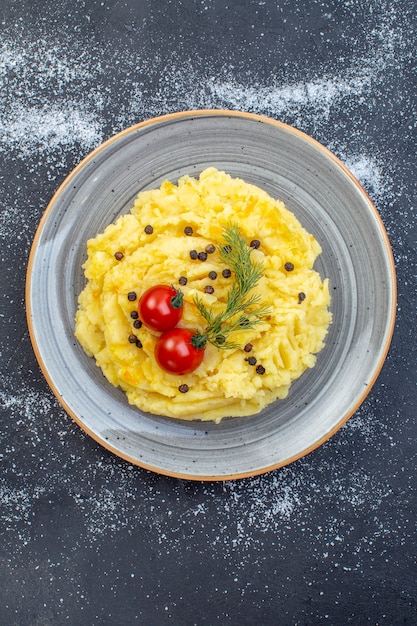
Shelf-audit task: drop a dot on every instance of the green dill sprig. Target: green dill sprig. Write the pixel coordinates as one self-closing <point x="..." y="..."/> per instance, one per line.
<point x="242" y="310"/>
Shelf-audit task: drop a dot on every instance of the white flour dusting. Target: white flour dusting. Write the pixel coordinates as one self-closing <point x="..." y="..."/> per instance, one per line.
<point x="373" y="175"/>
<point x="244" y="510"/>
<point x="30" y="123"/>
<point x="48" y="128"/>
<point x="319" y="95"/>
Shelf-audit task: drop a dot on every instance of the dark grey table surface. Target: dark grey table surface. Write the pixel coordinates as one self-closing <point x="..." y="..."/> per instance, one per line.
<point x="85" y="537"/>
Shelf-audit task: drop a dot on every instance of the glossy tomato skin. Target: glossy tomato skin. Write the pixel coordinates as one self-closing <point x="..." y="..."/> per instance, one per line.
<point x="175" y="353"/>
<point x="160" y="307"/>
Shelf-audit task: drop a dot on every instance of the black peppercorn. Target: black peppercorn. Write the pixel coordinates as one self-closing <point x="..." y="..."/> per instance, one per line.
<point x="193" y="254"/>
<point x="251" y="360"/>
<point x="118" y="256"/>
<point x="212" y="275"/>
<point x="202" y="256"/>
<point x="131" y="296"/>
<point x="289" y="266"/>
<point x="132" y="338"/>
<point x="248" y="347"/>
<point x="208" y="289"/>
<point x="226" y="273"/>
<point x="255" y="243"/>
<point x="301" y="297"/>
<point x="148" y="229"/>
<point x="183" y="388"/>
<point x="134" y="315"/>
<point x="137" y="324"/>
<point x="210" y="248"/>
<point x="188" y="230"/>
<point x="138" y="343"/>
<point x="183" y="280"/>
<point x="260" y="370"/>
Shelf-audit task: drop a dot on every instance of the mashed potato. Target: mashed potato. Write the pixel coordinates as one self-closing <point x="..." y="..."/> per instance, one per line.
<point x="148" y="246"/>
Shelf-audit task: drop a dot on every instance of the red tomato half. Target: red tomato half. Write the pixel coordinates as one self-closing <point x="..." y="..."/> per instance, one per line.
<point x="160" y="307"/>
<point x="175" y="353"/>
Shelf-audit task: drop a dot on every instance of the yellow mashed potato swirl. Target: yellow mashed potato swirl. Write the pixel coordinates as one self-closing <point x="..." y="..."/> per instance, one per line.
<point x="286" y="341"/>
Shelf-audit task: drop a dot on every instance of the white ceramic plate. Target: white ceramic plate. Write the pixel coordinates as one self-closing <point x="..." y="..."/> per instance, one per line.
<point x="329" y="202"/>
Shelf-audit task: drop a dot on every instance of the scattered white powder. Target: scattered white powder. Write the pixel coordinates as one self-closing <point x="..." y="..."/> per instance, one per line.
<point x="49" y="128"/>
<point x="17" y="503"/>
<point x="10" y="215"/>
<point x="291" y="100"/>
<point x="373" y="175"/>
<point x="29" y="122"/>
<point x="107" y="495"/>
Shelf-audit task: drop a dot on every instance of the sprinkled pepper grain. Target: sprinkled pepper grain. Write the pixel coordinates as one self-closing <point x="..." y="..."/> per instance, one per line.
<point x="183" y="280"/>
<point x="210" y="248"/>
<point x="212" y="275"/>
<point x="260" y="370"/>
<point x="301" y="297"/>
<point x="188" y="230"/>
<point x="255" y="243"/>
<point x="118" y="256"/>
<point x="138" y="343"/>
<point x="132" y="338"/>
<point x="251" y="360"/>
<point x="289" y="266"/>
<point x="193" y="254"/>
<point x="248" y="347"/>
<point x="208" y="289"/>
<point x="202" y="256"/>
<point x="148" y="229"/>
<point x="137" y="324"/>
<point x="131" y="296"/>
<point x="226" y="273"/>
<point x="134" y="315"/>
<point x="183" y="388"/>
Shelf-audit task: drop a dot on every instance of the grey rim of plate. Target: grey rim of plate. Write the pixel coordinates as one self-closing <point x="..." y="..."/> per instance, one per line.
<point x="330" y="204"/>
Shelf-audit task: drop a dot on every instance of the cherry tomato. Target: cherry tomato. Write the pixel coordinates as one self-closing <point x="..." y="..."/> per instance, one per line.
<point x="161" y="307"/>
<point x="175" y="353"/>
